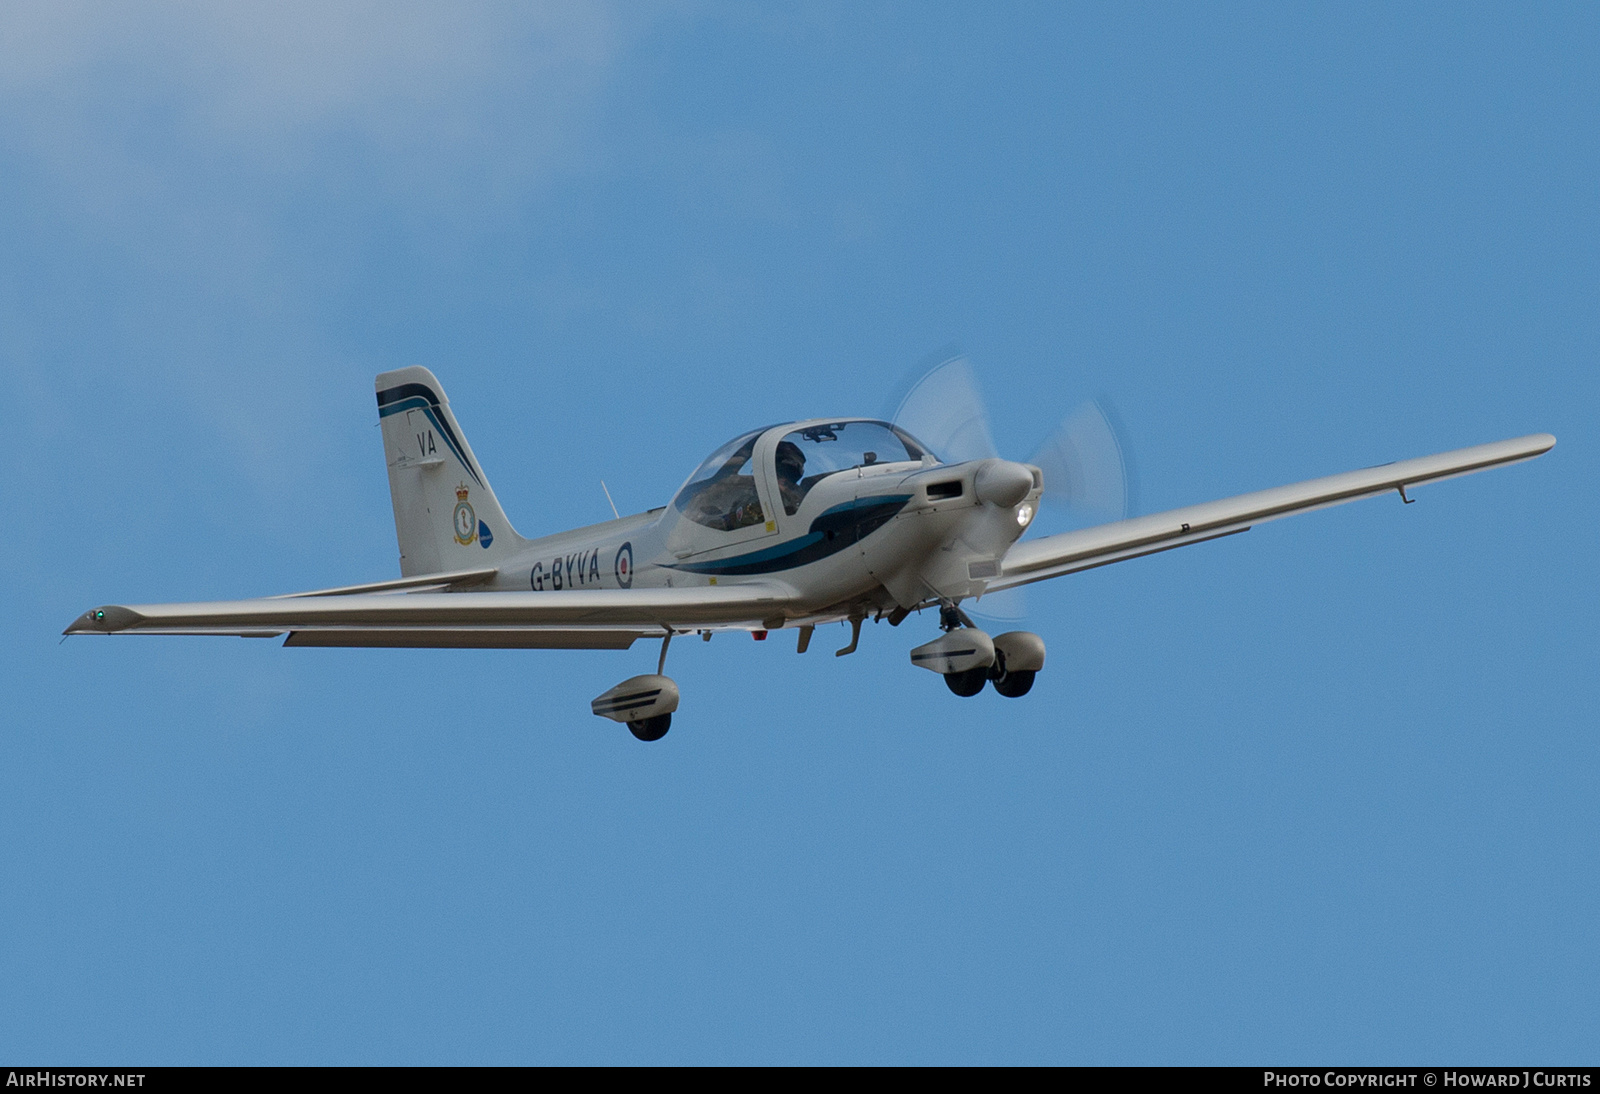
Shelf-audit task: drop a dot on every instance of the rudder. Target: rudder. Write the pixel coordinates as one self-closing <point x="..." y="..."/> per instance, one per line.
<point x="446" y="517"/>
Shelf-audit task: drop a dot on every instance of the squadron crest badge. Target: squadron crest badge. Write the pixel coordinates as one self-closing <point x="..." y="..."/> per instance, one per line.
<point x="466" y="519"/>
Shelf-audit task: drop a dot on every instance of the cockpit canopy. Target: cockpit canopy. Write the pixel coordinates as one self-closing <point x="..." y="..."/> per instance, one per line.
<point x="810" y="454"/>
<point x="723" y="492"/>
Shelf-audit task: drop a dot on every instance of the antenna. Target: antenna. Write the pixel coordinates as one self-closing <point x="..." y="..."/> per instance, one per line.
<point x="608" y="499"/>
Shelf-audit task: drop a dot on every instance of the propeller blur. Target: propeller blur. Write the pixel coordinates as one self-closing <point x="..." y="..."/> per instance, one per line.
<point x="1085" y="464"/>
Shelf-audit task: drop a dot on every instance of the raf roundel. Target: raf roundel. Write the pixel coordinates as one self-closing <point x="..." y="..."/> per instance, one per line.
<point x="624" y="566"/>
<point x="466" y="519"/>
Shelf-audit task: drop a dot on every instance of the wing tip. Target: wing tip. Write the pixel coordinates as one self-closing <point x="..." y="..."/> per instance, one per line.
<point x="106" y="619"/>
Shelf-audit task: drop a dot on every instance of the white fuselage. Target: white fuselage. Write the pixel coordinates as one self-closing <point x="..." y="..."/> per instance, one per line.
<point x="880" y="536"/>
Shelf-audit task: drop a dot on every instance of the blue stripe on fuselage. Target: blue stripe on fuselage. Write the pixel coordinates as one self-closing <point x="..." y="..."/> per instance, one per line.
<point x="831" y="532"/>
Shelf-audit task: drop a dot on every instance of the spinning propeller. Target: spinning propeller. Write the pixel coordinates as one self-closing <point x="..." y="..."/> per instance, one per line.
<point x="1085" y="461"/>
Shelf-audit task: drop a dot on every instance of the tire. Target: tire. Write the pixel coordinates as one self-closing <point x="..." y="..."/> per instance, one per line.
<point x="1014" y="685"/>
<point x="651" y="729"/>
<point x="966" y="684"/>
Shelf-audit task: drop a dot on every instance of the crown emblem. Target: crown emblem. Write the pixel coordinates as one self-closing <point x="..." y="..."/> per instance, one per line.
<point x="461" y="492"/>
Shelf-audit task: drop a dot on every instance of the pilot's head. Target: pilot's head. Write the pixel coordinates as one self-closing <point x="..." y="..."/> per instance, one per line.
<point x="791" y="462"/>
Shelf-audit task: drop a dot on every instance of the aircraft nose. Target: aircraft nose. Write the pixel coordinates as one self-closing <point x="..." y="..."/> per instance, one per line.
<point x="1002" y="483"/>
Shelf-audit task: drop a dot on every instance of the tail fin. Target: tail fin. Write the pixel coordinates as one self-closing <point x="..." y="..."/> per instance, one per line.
<point x="445" y="515"/>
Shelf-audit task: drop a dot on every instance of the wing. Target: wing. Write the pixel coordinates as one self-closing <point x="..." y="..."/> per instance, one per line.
<point x="1051" y="556"/>
<point x="570" y="619"/>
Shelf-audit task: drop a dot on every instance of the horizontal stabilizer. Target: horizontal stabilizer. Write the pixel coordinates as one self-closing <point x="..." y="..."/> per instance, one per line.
<point x="457" y="579"/>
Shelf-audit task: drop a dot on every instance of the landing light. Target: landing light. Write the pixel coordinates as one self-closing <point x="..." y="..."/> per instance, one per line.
<point x="1024" y="514"/>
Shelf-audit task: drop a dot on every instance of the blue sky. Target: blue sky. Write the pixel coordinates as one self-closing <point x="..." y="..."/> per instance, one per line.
<point x="1323" y="792"/>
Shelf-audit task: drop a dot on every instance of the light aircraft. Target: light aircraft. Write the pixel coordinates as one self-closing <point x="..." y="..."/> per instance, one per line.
<point x="787" y="526"/>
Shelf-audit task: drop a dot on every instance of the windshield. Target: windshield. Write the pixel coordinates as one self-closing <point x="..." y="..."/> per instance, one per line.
<point x="807" y="456"/>
<point x="721" y="494"/>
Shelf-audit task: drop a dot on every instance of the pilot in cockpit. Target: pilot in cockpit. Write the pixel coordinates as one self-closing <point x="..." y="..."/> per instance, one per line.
<point x="791" y="466"/>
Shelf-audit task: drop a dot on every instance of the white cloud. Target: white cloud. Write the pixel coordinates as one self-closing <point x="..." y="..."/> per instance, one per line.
<point x="291" y="61"/>
<point x="491" y="90"/>
<point x="170" y="137"/>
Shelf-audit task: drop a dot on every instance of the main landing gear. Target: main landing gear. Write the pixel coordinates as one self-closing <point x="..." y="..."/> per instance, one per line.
<point x="644" y="703"/>
<point x="1014" y="685"/>
<point x="968" y="683"/>
<point x="968" y="658"/>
